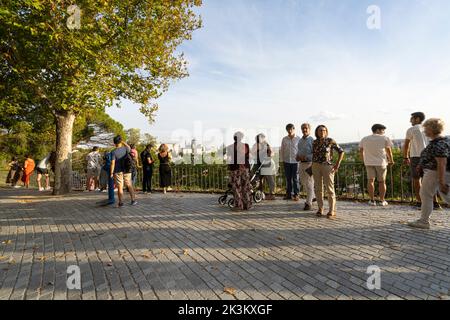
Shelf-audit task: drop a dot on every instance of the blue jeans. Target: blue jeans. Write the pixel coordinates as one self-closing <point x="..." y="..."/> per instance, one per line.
<point x="111" y="198"/>
<point x="290" y="171"/>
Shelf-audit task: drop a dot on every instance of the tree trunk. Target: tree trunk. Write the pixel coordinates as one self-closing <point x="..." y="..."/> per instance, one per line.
<point x="63" y="169"/>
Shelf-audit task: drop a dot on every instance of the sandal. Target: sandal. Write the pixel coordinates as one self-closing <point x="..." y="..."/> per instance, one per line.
<point x="331" y="215"/>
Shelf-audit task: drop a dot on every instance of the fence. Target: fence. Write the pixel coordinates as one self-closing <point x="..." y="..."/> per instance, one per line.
<point x="351" y="180"/>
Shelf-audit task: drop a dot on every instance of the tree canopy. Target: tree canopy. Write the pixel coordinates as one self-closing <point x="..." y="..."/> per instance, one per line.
<point x="63" y="58"/>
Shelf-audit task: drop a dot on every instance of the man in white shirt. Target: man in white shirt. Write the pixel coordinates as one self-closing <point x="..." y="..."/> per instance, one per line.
<point x="376" y="150"/>
<point x="288" y="156"/>
<point x="415" y="143"/>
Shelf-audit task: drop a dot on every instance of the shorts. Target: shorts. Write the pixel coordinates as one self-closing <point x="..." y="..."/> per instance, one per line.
<point x="415" y="161"/>
<point x="93" y="172"/>
<point x="378" y="172"/>
<point x="42" y="171"/>
<point x="121" y="178"/>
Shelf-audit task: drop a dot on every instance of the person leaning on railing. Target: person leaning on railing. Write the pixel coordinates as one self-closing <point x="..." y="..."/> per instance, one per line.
<point x="435" y="166"/>
<point x="324" y="170"/>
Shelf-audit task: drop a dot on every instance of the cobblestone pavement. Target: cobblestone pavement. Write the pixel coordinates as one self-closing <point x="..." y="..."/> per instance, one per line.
<point x="186" y="246"/>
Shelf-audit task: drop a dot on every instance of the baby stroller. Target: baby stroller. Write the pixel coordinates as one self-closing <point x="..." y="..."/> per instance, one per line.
<point x="255" y="182"/>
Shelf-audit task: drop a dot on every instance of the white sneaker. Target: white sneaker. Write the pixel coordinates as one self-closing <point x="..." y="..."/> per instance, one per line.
<point x="384" y="204"/>
<point x="169" y="189"/>
<point x="372" y="203"/>
<point x="419" y="225"/>
<point x="17" y="187"/>
<point x="41" y="189"/>
<point x="48" y="188"/>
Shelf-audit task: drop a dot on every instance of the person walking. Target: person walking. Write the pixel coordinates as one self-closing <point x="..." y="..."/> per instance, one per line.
<point x="304" y="156"/>
<point x="42" y="170"/>
<point x="28" y="168"/>
<point x="147" y="169"/>
<point x="120" y="170"/>
<point x="93" y="168"/>
<point x="288" y="155"/>
<point x="238" y="160"/>
<point x="324" y="170"/>
<point x="435" y="165"/>
<point x="376" y="152"/>
<point x="262" y="152"/>
<point x="165" y="171"/>
<point x="13" y="172"/>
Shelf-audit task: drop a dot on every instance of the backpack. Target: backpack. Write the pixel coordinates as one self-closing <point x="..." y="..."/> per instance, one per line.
<point x="128" y="163"/>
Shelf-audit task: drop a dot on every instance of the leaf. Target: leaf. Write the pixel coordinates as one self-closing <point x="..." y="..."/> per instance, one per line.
<point x="186" y="252"/>
<point x="146" y="255"/>
<point x="262" y="254"/>
<point x="281" y="238"/>
<point x="42" y="259"/>
<point x="229" y="290"/>
<point x="11" y="261"/>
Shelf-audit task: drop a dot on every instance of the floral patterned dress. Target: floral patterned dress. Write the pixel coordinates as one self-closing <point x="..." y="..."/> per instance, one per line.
<point x="240" y="177"/>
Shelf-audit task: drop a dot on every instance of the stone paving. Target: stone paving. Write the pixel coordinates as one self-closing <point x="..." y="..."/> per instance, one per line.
<point x="186" y="246"/>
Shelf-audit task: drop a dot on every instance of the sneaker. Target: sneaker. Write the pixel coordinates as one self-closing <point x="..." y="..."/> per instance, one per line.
<point x="419" y="225"/>
<point x="169" y="189"/>
<point x="17" y="187"/>
<point x="41" y="189"/>
<point x="372" y="203"/>
<point x="48" y="188"/>
<point x="307" y="207"/>
<point x="296" y="198"/>
<point x="384" y="204"/>
<point x="120" y="205"/>
<point x="134" y="203"/>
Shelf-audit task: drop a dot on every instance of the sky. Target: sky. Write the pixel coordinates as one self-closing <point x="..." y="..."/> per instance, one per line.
<point x="257" y="65"/>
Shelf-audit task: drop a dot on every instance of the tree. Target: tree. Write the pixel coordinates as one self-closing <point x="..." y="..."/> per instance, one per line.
<point x="134" y="136"/>
<point x="57" y="58"/>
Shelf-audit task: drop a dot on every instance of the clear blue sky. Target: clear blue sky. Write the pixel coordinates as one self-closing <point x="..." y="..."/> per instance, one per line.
<point x="257" y="65"/>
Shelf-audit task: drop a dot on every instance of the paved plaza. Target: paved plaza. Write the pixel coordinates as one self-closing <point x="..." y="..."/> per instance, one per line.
<point x="186" y="246"/>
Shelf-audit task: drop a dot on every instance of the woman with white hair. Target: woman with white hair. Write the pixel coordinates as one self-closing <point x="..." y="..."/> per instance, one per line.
<point x="238" y="160"/>
<point x="435" y="166"/>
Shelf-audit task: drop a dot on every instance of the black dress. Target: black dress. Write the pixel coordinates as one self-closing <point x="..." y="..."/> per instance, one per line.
<point x="165" y="172"/>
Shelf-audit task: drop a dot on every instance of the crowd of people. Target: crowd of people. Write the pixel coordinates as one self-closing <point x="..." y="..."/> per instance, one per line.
<point x="310" y="162"/>
<point x="426" y="150"/>
<point x="21" y="171"/>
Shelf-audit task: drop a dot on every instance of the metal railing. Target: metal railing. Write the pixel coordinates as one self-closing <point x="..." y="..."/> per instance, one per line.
<point x="350" y="181"/>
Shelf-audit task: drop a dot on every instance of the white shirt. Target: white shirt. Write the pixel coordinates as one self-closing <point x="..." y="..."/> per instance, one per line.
<point x="374" y="148"/>
<point x="93" y="160"/>
<point x="43" y="164"/>
<point x="289" y="149"/>
<point x="418" y="140"/>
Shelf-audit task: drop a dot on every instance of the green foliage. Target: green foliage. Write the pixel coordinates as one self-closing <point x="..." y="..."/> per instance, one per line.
<point x="123" y="50"/>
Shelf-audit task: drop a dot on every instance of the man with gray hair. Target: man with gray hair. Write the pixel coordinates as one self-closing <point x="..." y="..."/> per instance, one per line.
<point x="304" y="156"/>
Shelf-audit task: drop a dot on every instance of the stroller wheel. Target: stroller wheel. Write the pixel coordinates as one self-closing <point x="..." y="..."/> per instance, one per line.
<point x="258" y="196"/>
<point x="223" y="200"/>
<point x="231" y="203"/>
